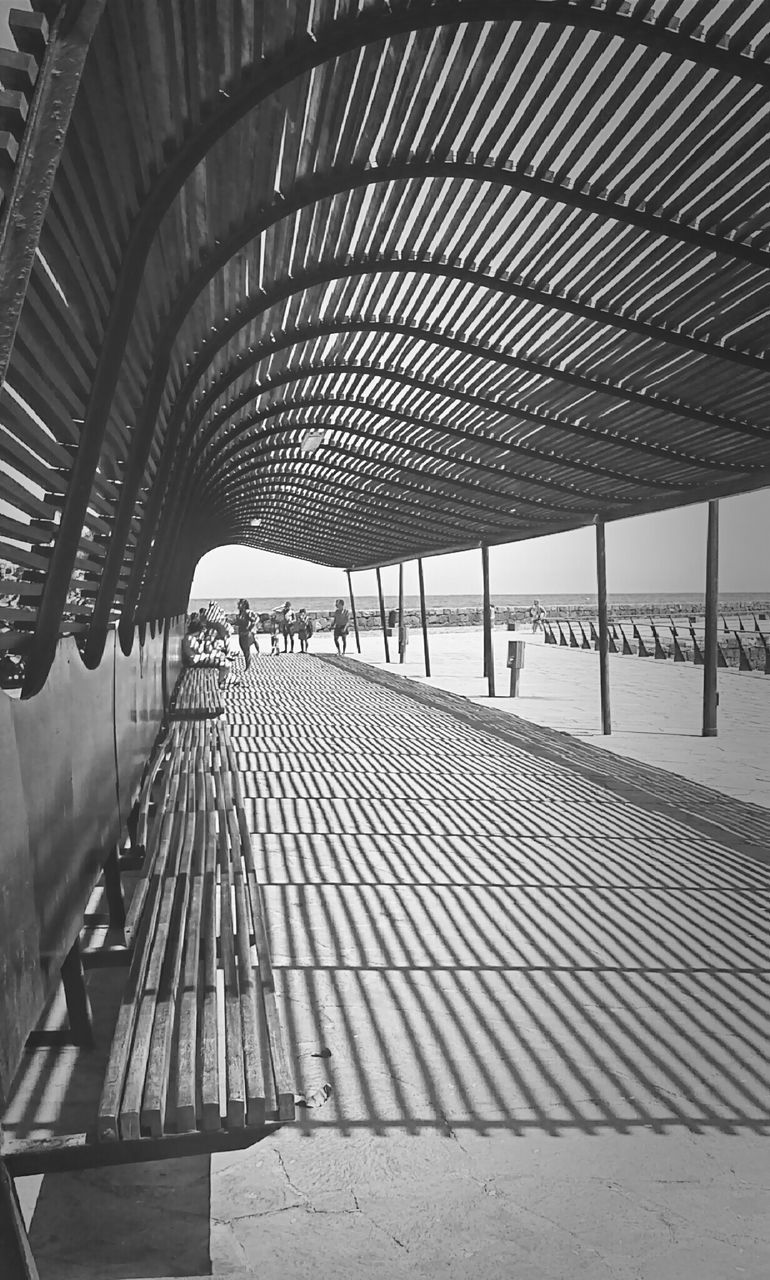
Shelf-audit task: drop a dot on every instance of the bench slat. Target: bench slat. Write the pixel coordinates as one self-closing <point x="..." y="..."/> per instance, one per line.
<point x="159" y="1061"/>
<point x="235" y="1077"/>
<point x="131" y="1104"/>
<point x="198" y="886"/>
<point x="256" y="1083"/>
<point x="282" y="1076"/>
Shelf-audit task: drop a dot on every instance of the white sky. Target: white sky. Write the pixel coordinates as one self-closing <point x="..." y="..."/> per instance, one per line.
<point x="664" y="552"/>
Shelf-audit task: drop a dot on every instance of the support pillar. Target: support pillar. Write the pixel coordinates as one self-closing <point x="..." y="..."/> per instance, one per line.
<point x="489" y="657"/>
<point x="401" y="623"/>
<point x="423" y="618"/>
<point x="353" y="608"/>
<point x="383" y="619"/>
<point x="604" y="631"/>
<point x="710" y="648"/>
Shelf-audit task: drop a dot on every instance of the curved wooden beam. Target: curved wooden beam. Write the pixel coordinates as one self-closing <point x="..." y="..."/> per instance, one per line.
<point x="343" y="36"/>
<point x="584" y="431"/>
<point x="234" y="443"/>
<point x="264" y="300"/>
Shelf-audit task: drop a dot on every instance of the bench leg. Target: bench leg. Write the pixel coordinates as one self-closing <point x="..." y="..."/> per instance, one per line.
<point x="15" y="1251"/>
<point x="78" y="1004"/>
<point x="113" y="890"/>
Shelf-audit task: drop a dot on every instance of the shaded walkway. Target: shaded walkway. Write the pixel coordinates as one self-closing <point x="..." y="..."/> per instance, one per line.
<point x="482" y="933"/>
<point x="544" y="990"/>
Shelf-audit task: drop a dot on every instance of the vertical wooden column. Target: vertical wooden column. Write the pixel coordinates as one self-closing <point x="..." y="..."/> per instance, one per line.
<point x="489" y="657"/>
<point x="710" y="694"/>
<point x="423" y="618"/>
<point x="604" y="634"/>
<point x="383" y="619"/>
<point x="401" y="623"/>
<point x="353" y="607"/>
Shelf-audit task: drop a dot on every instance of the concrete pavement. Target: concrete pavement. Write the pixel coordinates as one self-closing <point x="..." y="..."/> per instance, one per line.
<point x="528" y="1009"/>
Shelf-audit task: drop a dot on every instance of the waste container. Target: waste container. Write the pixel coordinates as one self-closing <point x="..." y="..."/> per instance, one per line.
<point x="515" y="663"/>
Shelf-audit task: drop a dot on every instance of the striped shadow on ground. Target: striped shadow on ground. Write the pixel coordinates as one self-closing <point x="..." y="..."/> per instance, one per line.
<point x="484" y="935"/>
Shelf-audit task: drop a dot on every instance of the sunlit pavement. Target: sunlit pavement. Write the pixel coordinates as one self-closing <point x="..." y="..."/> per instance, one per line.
<point x="529" y="1011"/>
<point x="656" y="705"/>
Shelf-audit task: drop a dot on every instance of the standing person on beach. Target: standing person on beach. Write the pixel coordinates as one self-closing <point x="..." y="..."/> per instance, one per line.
<point x="538" y="615"/>
<point x="341" y="626"/>
<point x="246" y="626"/>
<point x="288" y="626"/>
<point x="305" y="629"/>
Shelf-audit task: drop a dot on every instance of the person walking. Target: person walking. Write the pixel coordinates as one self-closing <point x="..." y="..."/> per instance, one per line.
<point x="246" y="626"/>
<point x="341" y="626"/>
<point x="288" y="626"/>
<point x="538" y="615"/>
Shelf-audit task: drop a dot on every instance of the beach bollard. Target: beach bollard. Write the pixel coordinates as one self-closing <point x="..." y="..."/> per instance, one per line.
<point x="515" y="663"/>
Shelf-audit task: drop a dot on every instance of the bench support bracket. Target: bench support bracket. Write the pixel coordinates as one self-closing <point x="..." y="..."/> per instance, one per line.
<point x="15" y="1251"/>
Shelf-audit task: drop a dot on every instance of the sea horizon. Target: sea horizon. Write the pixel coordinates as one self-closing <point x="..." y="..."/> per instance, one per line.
<point x="470" y="600"/>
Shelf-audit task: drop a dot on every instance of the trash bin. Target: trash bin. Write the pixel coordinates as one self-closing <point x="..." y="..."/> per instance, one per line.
<point x="515" y="663"/>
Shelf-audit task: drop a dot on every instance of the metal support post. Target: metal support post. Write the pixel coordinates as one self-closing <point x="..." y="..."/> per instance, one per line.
<point x="424" y="618"/>
<point x="604" y="631"/>
<point x="401" y="623"/>
<point x="710" y="648"/>
<point x="489" y="657"/>
<point x="353" y="608"/>
<point x="382" y="616"/>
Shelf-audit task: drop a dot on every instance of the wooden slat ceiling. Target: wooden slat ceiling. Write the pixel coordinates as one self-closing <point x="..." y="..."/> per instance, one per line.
<point x="510" y="259"/>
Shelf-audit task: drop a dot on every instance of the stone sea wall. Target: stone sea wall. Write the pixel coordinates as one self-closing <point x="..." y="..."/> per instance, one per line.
<point x="369" y="619"/>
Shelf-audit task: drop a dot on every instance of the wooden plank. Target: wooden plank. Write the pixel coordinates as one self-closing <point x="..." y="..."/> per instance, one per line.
<point x="107" y="1127"/>
<point x="235" y="1082"/>
<point x="159" y="1059"/>
<point x="210" y="1116"/>
<point x="252" y="1050"/>
<point x="282" y="1076"/>
<point x="131" y="1103"/>
<point x="187" y="1054"/>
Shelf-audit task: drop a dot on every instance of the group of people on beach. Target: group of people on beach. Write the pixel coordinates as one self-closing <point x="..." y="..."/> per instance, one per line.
<point x="284" y="622"/>
<point x="206" y="641"/>
<point x="290" y="625"/>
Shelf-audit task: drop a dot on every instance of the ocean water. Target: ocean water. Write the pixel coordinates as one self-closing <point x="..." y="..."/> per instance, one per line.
<point x="364" y="604"/>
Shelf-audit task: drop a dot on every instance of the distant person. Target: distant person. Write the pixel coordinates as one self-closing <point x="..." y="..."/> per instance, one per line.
<point x="288" y="626"/>
<point x="246" y="626"/>
<point x="341" y="626"/>
<point x="273" y="628"/>
<point x="305" y="630"/>
<point x="538" y="615"/>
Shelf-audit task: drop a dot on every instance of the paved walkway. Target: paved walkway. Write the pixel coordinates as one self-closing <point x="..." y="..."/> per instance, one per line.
<point x="528" y="1008"/>
<point x="656" y="706"/>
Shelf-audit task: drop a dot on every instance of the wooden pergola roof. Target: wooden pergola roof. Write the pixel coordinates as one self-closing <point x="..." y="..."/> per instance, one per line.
<point x="510" y="260"/>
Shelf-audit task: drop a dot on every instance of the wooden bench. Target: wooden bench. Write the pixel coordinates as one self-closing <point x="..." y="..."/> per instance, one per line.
<point x="197" y="1061"/>
<point x="197" y="695"/>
